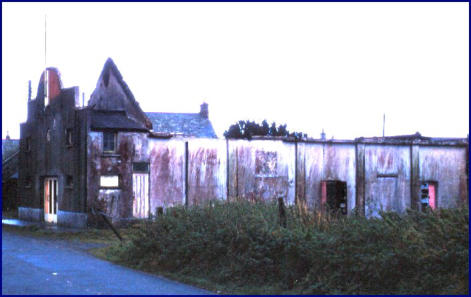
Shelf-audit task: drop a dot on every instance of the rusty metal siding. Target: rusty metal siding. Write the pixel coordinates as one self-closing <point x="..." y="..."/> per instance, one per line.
<point x="167" y="173"/>
<point x="300" y="175"/>
<point x="130" y="147"/>
<point x="329" y="161"/>
<point x="387" y="178"/>
<point x="314" y="162"/>
<point x="262" y="170"/>
<point x="447" y="167"/>
<point x="207" y="168"/>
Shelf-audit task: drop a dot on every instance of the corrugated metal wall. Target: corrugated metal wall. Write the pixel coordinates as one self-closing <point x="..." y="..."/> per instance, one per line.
<point x="194" y="171"/>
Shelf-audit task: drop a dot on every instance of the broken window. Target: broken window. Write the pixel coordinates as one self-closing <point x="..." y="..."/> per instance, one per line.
<point x="68" y="137"/>
<point x="109" y="142"/>
<point x="428" y="195"/>
<point x="109" y="181"/>
<point x="334" y="195"/>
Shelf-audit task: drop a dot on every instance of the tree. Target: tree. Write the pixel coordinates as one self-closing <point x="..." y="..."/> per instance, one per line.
<point x="248" y="129"/>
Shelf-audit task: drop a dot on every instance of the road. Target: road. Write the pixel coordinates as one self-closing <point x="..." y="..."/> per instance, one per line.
<point x="43" y="266"/>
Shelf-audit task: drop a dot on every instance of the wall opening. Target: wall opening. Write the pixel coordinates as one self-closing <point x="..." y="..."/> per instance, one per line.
<point x="334" y="195"/>
<point x="428" y="195"/>
<point x="50" y="199"/>
<point x="109" y="142"/>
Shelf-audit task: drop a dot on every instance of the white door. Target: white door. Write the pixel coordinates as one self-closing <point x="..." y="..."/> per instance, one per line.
<point x="50" y="200"/>
<point x="140" y="187"/>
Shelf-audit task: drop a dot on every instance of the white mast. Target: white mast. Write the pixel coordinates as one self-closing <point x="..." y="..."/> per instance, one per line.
<point x="46" y="76"/>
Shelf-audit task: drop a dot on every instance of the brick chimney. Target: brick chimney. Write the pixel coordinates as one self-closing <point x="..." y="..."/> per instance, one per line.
<point x="204" y="110"/>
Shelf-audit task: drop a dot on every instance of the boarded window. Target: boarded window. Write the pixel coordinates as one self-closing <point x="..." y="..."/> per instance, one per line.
<point x="109" y="142"/>
<point x="334" y="195"/>
<point x="428" y="195"/>
<point x="265" y="163"/>
<point x="142" y="167"/>
<point x="109" y="181"/>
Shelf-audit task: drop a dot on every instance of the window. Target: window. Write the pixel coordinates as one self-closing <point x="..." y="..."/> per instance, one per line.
<point x="68" y="137"/>
<point x="109" y="142"/>
<point x="140" y="167"/>
<point x="334" y="194"/>
<point x="109" y="181"/>
<point x="69" y="181"/>
<point x="48" y="135"/>
<point x="28" y="144"/>
<point x="28" y="182"/>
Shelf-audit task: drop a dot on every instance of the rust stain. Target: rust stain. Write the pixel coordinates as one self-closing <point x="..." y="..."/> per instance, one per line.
<point x="203" y="175"/>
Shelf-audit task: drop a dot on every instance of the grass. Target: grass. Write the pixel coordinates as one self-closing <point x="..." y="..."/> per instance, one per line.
<point x="241" y="248"/>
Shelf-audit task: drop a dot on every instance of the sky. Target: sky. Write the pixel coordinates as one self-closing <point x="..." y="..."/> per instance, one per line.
<point x="332" y="66"/>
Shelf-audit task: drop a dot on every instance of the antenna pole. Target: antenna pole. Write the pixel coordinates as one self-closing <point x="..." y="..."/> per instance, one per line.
<point x="45" y="61"/>
<point x="384" y="120"/>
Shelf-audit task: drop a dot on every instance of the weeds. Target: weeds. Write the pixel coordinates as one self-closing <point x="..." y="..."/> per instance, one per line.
<point x="242" y="245"/>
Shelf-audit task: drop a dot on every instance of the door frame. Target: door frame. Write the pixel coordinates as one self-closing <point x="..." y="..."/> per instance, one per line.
<point x="50" y="198"/>
<point x="147" y="211"/>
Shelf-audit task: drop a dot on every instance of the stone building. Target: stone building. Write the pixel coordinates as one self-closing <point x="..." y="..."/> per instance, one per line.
<point x="112" y="156"/>
<point x="73" y="158"/>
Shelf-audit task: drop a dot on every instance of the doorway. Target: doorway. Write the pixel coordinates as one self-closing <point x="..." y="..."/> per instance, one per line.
<point x="140" y="186"/>
<point x="334" y="195"/>
<point x="50" y="199"/>
<point x="428" y="195"/>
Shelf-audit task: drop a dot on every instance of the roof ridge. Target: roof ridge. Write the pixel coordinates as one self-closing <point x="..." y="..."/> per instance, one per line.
<point x="111" y="66"/>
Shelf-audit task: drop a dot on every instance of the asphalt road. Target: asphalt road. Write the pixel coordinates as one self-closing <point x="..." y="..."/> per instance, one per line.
<point x="41" y="266"/>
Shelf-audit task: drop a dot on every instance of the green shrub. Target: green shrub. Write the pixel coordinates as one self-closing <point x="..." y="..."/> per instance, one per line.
<point x="243" y="243"/>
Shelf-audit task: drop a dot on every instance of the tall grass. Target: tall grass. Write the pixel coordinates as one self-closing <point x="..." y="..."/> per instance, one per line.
<point x="243" y="244"/>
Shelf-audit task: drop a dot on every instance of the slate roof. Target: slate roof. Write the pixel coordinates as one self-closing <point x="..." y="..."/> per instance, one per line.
<point x="188" y="124"/>
<point x="114" y="120"/>
<point x="9" y="147"/>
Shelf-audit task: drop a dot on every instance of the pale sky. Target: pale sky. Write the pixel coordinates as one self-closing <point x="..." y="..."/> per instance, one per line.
<point x="313" y="66"/>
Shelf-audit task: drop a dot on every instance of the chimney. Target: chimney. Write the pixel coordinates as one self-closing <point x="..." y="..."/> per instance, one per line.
<point x="323" y="135"/>
<point x="204" y="110"/>
<point x="8" y="136"/>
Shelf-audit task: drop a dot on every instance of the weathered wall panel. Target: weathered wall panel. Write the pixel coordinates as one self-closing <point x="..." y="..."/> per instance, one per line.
<point x="207" y="169"/>
<point x="447" y="167"/>
<point x="300" y="195"/>
<point x="263" y="170"/>
<point x="387" y="178"/>
<point x="167" y="173"/>
<point x="329" y="162"/>
<point x="130" y="147"/>
<point x="314" y="163"/>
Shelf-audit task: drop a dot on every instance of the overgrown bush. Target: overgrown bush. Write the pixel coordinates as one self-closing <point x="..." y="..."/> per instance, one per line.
<point x="243" y="243"/>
